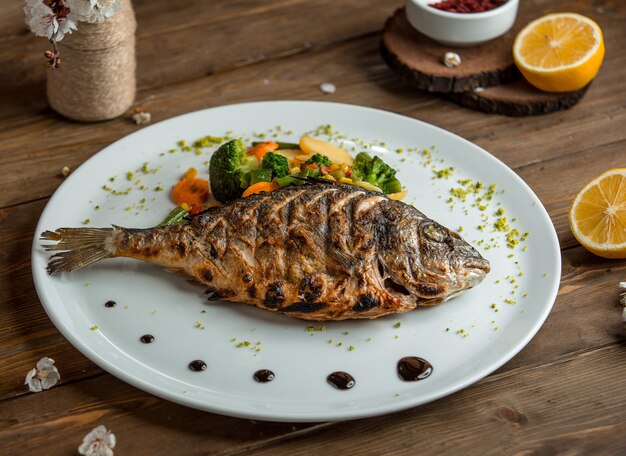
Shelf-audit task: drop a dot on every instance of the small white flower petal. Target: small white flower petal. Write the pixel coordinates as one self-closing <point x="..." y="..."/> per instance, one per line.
<point x="328" y="87"/>
<point x="45" y="363"/>
<point x="43" y="377"/>
<point x="104" y="9"/>
<point x="111" y="440"/>
<point x="451" y="59"/>
<point x="41" y="20"/>
<point x="31" y="3"/>
<point x="84" y="447"/>
<point x="31" y="374"/>
<point x="66" y="27"/>
<point x="80" y="10"/>
<point x="50" y="380"/>
<point x="34" y="384"/>
<point x="142" y="117"/>
<point x="98" y="442"/>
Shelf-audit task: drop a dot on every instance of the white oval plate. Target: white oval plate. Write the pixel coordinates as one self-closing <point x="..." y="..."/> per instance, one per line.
<point x="465" y="339"/>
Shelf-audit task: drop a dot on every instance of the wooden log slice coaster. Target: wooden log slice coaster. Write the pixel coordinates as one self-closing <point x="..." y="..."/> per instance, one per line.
<point x="487" y="79"/>
<point x="418" y="60"/>
<point x="517" y="99"/>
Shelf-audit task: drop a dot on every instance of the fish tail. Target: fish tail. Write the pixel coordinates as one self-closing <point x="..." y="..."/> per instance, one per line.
<point x="77" y="247"/>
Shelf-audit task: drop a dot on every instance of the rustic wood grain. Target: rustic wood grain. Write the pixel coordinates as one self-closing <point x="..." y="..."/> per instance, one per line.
<point x="418" y="60"/>
<point x="361" y="78"/>
<point x="194" y="39"/>
<point x="521" y="412"/>
<point x="563" y="394"/>
<point x="168" y="53"/>
<point x="58" y="419"/>
<point x="556" y="181"/>
<point x="517" y="99"/>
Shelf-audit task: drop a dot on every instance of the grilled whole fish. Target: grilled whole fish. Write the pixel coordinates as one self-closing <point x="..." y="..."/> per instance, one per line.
<point x="314" y="252"/>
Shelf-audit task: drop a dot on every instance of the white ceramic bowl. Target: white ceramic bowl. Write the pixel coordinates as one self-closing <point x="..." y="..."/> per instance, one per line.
<point x="460" y="29"/>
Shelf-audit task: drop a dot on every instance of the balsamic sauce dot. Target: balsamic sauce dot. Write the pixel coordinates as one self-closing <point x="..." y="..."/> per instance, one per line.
<point x="341" y="380"/>
<point x="197" y="365"/>
<point x="110" y="304"/>
<point x="264" y="376"/>
<point x="412" y="368"/>
<point x="147" y="338"/>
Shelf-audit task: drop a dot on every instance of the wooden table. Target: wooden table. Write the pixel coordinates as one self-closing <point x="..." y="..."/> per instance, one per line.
<point x="565" y="393"/>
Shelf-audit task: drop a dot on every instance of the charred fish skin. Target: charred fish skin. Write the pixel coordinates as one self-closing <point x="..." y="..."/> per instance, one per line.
<point x="314" y="252"/>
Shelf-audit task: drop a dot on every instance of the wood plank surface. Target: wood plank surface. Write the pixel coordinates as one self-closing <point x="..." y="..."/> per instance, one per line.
<point x="516" y="144"/>
<point x="563" y="394"/>
<point x="73" y="410"/>
<point x="198" y="38"/>
<point x="522" y="412"/>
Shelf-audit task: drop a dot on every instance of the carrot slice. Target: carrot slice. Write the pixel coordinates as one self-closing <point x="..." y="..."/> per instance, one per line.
<point x="190" y="173"/>
<point x="191" y="190"/>
<point x="260" y="150"/>
<point x="195" y="209"/>
<point x="260" y="187"/>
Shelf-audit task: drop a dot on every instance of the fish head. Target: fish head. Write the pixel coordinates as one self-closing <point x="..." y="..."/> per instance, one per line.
<point x="430" y="263"/>
<point x="445" y="252"/>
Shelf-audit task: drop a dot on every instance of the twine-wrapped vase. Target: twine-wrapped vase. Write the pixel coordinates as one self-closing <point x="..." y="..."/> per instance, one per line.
<point x="96" y="80"/>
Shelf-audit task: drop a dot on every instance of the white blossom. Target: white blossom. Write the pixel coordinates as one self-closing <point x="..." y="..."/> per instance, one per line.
<point x="141" y="117"/>
<point x="451" y="59"/>
<point x="42" y="377"/>
<point x="99" y="442"/>
<point x="43" y="21"/>
<point x="93" y="10"/>
<point x="80" y="10"/>
<point x="328" y="87"/>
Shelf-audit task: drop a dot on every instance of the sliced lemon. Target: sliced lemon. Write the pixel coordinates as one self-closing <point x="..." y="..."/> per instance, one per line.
<point x="598" y="215"/>
<point x="559" y="52"/>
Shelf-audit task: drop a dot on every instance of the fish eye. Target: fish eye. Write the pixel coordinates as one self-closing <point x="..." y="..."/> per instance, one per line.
<point x="434" y="232"/>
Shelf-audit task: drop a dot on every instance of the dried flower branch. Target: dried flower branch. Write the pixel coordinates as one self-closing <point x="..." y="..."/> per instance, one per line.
<point x="54" y="19"/>
<point x="53" y="56"/>
<point x="49" y="18"/>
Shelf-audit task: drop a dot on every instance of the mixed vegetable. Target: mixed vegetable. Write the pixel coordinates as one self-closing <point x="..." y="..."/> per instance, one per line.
<point x="236" y="171"/>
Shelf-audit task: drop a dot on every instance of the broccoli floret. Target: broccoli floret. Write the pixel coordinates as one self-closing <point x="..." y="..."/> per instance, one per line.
<point x="260" y="175"/>
<point x="376" y="172"/>
<point x="276" y="163"/>
<point x="229" y="170"/>
<point x="319" y="160"/>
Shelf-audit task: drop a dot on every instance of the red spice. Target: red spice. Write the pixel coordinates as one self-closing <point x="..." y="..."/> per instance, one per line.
<point x="467" y="6"/>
